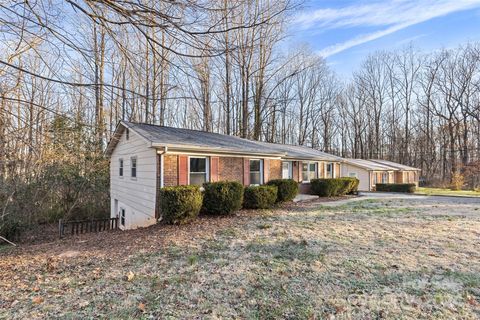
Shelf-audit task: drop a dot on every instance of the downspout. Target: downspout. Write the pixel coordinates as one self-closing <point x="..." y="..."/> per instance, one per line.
<point x="162" y="165"/>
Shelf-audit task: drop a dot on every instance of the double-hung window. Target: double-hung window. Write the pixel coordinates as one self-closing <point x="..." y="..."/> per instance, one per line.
<point x="287" y="170"/>
<point x="329" y="170"/>
<point x="120" y="167"/>
<point x="198" y="170"/>
<point x="256" y="171"/>
<point x="133" y="167"/>
<point x="385" y="177"/>
<point x="309" y="171"/>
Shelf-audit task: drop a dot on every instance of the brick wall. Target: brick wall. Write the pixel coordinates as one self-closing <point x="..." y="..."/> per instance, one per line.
<point x="170" y="167"/>
<point x="231" y="169"/>
<point x="337" y="170"/>
<point x="321" y="169"/>
<point x="275" y="169"/>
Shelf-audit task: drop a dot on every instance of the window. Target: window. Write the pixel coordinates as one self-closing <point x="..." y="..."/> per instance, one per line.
<point x="384" y="177"/>
<point x="122" y="217"/>
<point x="256" y="172"/>
<point x="134" y="167"/>
<point x="120" y="167"/>
<point x="286" y="170"/>
<point x="127" y="134"/>
<point x="198" y="171"/>
<point x="329" y="170"/>
<point x="312" y="170"/>
<point x="352" y="175"/>
<point x="309" y="171"/>
<point x="374" y="177"/>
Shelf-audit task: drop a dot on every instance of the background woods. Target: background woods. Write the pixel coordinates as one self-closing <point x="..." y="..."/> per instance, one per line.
<point x="69" y="70"/>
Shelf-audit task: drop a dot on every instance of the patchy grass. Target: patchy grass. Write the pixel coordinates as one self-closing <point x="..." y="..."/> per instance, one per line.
<point x="447" y="192"/>
<point x="414" y="258"/>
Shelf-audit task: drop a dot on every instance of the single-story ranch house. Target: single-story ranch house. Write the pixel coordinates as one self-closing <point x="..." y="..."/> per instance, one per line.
<point x="145" y="158"/>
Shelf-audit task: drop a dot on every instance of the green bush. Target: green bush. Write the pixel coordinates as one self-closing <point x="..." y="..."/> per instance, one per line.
<point x="260" y="197"/>
<point x="396" y="187"/>
<point x="354" y="186"/>
<point x="287" y="189"/>
<point x="224" y="197"/>
<point x="180" y="204"/>
<point x="334" y="187"/>
<point x="348" y="186"/>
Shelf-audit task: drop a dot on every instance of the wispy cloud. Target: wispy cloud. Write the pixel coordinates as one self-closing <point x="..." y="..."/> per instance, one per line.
<point x="389" y="16"/>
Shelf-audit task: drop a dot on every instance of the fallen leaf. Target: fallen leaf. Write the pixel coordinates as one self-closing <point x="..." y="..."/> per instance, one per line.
<point x="141" y="307"/>
<point x="37" y="300"/>
<point x="130" y="276"/>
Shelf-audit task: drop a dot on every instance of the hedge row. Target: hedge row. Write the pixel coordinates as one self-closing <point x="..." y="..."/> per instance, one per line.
<point x="182" y="204"/>
<point x="396" y="187"/>
<point x="334" y="187"/>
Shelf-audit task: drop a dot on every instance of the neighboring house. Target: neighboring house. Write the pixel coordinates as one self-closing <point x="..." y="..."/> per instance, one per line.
<point x="369" y="173"/>
<point x="145" y="158"/>
<point x="404" y="174"/>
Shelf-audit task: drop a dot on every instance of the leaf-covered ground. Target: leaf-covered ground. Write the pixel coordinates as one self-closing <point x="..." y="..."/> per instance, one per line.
<point x="386" y="258"/>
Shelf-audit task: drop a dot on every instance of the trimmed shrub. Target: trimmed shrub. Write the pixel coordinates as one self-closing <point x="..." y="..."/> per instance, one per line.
<point x="260" y="197"/>
<point x="180" y="204"/>
<point x="224" y="197"/>
<point x="326" y="187"/>
<point x="354" y="186"/>
<point x="396" y="187"/>
<point x="287" y="189"/>
<point x="349" y="185"/>
<point x="334" y="187"/>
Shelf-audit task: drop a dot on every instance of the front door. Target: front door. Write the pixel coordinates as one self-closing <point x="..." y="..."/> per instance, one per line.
<point x="287" y="172"/>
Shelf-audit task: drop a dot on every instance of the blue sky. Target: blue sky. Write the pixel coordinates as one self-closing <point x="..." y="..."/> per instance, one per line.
<point x="346" y="31"/>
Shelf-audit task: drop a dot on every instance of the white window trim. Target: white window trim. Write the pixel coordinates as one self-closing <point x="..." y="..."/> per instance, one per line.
<point x="207" y="167"/>
<point x="332" y="175"/>
<point x="124" y="211"/>
<point x="308" y="170"/>
<point x="385" y="177"/>
<point x="261" y="171"/>
<point x="121" y="164"/>
<point x="136" y="167"/>
<point x="290" y="169"/>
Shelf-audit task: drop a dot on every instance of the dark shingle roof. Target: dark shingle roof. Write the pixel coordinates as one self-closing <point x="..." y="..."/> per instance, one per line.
<point x="195" y="139"/>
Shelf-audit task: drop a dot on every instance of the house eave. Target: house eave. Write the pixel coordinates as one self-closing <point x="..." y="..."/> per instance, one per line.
<point x="198" y="150"/>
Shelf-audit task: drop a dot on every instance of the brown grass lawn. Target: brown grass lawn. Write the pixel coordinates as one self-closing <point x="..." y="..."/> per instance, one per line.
<point x="414" y="258"/>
